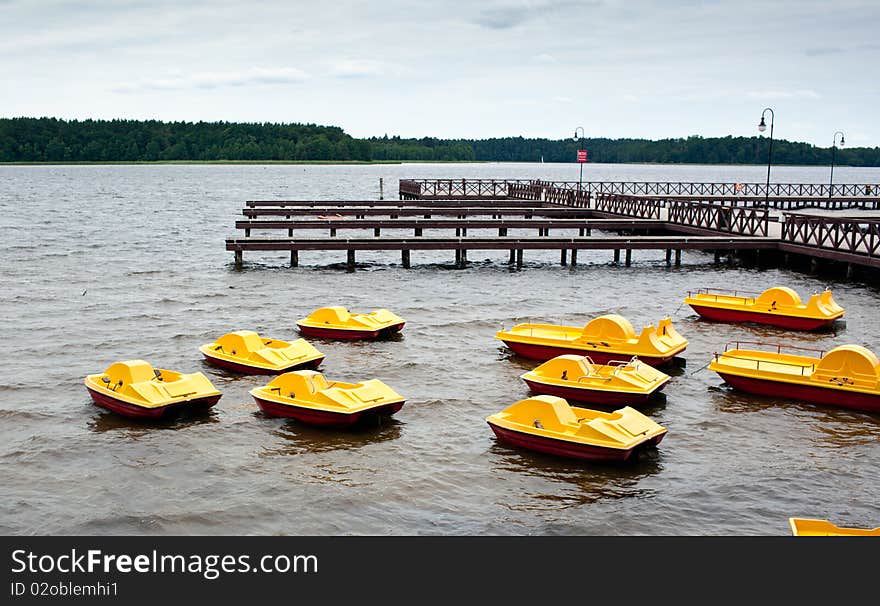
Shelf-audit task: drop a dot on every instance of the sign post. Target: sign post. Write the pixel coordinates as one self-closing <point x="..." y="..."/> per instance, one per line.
<point x="582" y="157"/>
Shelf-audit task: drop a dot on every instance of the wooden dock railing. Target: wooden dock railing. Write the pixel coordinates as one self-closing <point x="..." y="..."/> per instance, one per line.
<point x="852" y="235"/>
<point x="725" y="219"/>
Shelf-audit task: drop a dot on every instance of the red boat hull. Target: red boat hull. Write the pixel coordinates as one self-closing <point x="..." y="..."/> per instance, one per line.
<point x="323" y="418"/>
<point x="563" y="448"/>
<point x="733" y="315"/>
<point x="805" y="393"/>
<point x="253" y="370"/>
<point x="591" y="396"/>
<point x="336" y="333"/>
<point x="139" y="412"/>
<point x="547" y="352"/>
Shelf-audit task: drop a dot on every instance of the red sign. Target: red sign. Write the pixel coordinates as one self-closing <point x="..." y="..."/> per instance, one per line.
<point x="582" y="155"/>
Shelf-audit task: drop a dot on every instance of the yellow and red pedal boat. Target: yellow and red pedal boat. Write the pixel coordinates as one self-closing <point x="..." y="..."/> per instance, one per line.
<point x="338" y="323"/>
<point x="247" y="352"/>
<point x="806" y="527"/>
<point x="606" y="338"/>
<point x="550" y="425"/>
<point x="305" y="395"/>
<point x="135" y="389"/>
<point x="848" y="376"/>
<point x="777" y="306"/>
<point x="578" y="379"/>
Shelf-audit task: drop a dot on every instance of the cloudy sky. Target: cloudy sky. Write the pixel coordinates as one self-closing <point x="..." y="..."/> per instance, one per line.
<point x="454" y="68"/>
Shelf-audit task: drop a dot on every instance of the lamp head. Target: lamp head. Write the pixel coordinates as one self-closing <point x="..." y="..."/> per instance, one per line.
<point x="842" y="141"/>
<point x="762" y="127"/>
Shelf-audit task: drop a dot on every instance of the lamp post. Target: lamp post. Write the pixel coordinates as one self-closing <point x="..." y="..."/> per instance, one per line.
<point x="761" y="128"/>
<point x="833" y="149"/>
<point x="581" y="178"/>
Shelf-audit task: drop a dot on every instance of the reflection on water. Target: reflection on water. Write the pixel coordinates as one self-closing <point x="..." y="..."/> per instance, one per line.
<point x="105" y="420"/>
<point x="588" y="482"/>
<point x="298" y="438"/>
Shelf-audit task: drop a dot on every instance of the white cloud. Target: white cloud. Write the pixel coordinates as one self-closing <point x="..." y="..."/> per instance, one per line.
<point x="174" y="80"/>
<point x="357" y="68"/>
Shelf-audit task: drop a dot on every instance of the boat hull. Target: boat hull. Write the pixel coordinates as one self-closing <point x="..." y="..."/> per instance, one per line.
<point x="735" y="315"/>
<point x="547" y="352"/>
<point x="591" y="396"/>
<point x="255" y="370"/>
<point x="564" y="448"/>
<point x="351" y="335"/>
<point x="806" y="393"/>
<point x="140" y="412"/>
<point x="324" y="418"/>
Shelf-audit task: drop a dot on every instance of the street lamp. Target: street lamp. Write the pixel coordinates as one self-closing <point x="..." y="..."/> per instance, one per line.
<point x="833" y="148"/>
<point x="581" y="178"/>
<point x="761" y="128"/>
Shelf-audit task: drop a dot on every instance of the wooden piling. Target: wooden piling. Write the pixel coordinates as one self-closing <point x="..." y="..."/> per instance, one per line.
<point x="404" y="258"/>
<point x="239" y="259"/>
<point x="628" y="260"/>
<point x="668" y="257"/>
<point x="562" y="257"/>
<point x="617" y="255"/>
<point x="376" y="232"/>
<point x="294" y="258"/>
<point x="512" y="258"/>
<point x="519" y="258"/>
<point x="574" y="257"/>
<point x="678" y="257"/>
<point x="350" y="264"/>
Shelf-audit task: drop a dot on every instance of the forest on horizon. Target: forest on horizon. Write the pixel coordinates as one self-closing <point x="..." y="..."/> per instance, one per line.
<point x="56" y="140"/>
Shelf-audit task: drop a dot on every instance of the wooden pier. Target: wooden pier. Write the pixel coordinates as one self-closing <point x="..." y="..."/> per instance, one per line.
<point x="668" y="217"/>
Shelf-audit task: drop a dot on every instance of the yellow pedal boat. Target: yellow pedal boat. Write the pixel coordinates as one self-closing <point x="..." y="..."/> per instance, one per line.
<point x="777" y="306"/>
<point x="247" y="352"/>
<point x="606" y="338"/>
<point x="338" y="323"/>
<point x="135" y="389"/>
<point x="847" y="376"/>
<point x="805" y="527"/>
<point x="550" y="425"/>
<point x="306" y="395"/>
<point x="577" y="378"/>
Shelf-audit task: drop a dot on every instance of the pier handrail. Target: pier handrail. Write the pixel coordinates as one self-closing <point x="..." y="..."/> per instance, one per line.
<point x="856" y="235"/>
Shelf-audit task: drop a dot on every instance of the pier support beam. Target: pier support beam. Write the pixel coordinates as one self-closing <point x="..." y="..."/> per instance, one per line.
<point x="519" y="258"/>
<point x="294" y="258"/>
<point x="404" y="258"/>
<point x="617" y="255"/>
<point x="717" y="257"/>
<point x="239" y="259"/>
<point x="332" y="232"/>
<point x="629" y="256"/>
<point x="350" y="263"/>
<point x="668" y="257"/>
<point x="376" y="232"/>
<point x="850" y="271"/>
<point x="814" y="264"/>
<point x="678" y="257"/>
<point x="502" y="231"/>
<point x="562" y="257"/>
<point x="512" y="258"/>
<point x="418" y="231"/>
<point x="574" y="257"/>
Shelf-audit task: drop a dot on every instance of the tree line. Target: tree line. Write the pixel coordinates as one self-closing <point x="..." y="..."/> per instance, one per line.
<point x="54" y="140"/>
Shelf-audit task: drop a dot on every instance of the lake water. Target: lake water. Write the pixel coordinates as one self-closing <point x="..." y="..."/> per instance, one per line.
<point x="106" y="263"/>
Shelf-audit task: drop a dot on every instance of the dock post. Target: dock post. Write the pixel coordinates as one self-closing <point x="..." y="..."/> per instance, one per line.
<point x="519" y="258"/>
<point x="617" y="255"/>
<point x="239" y="261"/>
<point x="581" y="232"/>
<point x="512" y="258"/>
<point x="786" y="259"/>
<point x="294" y="258"/>
<point x="502" y="231"/>
<point x="418" y="231"/>
<point x="463" y="258"/>
<point x="464" y="231"/>
<point x="678" y="257"/>
<point x="814" y="264"/>
<point x="562" y="257"/>
<point x="376" y="232"/>
<point x="850" y="271"/>
<point x="717" y="256"/>
<point x="730" y="258"/>
<point x="457" y="232"/>
<point x="332" y="232"/>
<point x="350" y="265"/>
<point x="629" y="254"/>
<point x="381" y="189"/>
<point x="404" y="258"/>
<point x="574" y="257"/>
<point x="247" y="232"/>
<point x="668" y="257"/>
